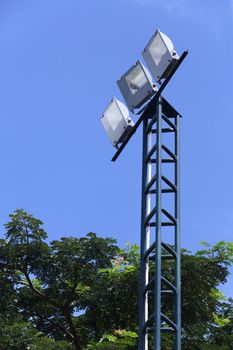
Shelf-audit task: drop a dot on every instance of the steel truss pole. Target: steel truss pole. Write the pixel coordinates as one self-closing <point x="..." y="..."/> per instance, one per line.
<point x="157" y="112"/>
<point x="154" y="287"/>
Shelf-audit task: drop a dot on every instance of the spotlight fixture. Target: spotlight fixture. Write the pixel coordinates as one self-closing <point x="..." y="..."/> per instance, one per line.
<point x="136" y="86"/>
<point x="116" y="121"/>
<point x="160" y="56"/>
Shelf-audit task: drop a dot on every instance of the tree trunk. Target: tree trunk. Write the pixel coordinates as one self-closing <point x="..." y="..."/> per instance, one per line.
<point x="76" y="339"/>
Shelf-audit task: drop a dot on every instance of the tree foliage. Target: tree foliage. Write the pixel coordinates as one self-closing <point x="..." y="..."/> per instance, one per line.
<point x="82" y="293"/>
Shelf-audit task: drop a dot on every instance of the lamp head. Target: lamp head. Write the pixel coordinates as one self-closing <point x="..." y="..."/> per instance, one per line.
<point x="136" y="86"/>
<point x="116" y="121"/>
<point x="159" y="55"/>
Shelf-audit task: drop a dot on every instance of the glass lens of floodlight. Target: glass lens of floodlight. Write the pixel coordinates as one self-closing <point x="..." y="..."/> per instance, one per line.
<point x="157" y="49"/>
<point x="136" y="79"/>
<point x="113" y="115"/>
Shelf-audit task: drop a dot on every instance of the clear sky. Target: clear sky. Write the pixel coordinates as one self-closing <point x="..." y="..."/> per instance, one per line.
<point x="59" y="62"/>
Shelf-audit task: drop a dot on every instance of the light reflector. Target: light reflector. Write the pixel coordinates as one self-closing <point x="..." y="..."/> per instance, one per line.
<point x="116" y="121"/>
<point x="136" y="86"/>
<point x="160" y="55"/>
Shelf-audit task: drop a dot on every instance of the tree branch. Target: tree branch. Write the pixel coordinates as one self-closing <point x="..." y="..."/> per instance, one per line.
<point x="38" y="292"/>
<point x="20" y="282"/>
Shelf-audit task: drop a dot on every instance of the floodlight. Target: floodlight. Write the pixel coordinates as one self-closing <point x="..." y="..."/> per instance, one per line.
<point x="116" y="121"/>
<point x="160" y="55"/>
<point x="136" y="86"/>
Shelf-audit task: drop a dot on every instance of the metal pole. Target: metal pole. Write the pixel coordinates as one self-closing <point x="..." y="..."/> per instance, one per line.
<point x="166" y="112"/>
<point x="157" y="312"/>
<point x="177" y="235"/>
<point x="152" y="218"/>
<point x="144" y="273"/>
<point x="147" y="229"/>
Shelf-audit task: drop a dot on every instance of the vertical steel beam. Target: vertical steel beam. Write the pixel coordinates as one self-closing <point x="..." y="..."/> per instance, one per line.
<point x="147" y="228"/>
<point x="177" y="235"/>
<point x="157" y="308"/>
<point x="143" y="298"/>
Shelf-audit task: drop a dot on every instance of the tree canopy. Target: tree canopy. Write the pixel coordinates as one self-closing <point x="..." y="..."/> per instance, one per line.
<point x="82" y="293"/>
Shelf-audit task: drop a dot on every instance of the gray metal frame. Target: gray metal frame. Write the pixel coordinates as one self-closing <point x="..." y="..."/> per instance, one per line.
<point x="154" y="287"/>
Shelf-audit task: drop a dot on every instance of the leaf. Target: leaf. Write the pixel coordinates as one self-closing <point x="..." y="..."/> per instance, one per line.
<point x="220" y="320"/>
<point x="109" y="337"/>
<point x="217" y="295"/>
<point x="205" y="244"/>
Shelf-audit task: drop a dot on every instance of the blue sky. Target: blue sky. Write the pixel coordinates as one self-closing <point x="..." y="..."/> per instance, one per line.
<point x="59" y="62"/>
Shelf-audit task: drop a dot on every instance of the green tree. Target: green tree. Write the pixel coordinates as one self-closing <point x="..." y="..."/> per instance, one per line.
<point x="83" y="292"/>
<point x="51" y="280"/>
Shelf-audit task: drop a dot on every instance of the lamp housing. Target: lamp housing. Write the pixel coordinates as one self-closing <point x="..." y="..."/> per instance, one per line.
<point x="136" y="86"/>
<point x="116" y="121"/>
<point x="159" y="55"/>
